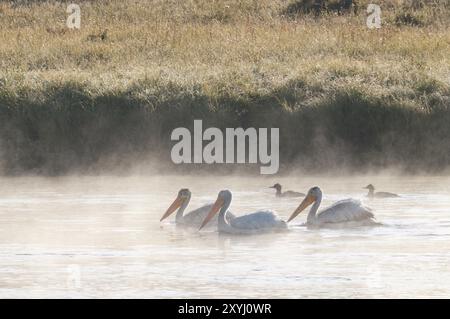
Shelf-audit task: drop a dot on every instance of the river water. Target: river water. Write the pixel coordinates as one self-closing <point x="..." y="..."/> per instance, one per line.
<point x="101" y="237"/>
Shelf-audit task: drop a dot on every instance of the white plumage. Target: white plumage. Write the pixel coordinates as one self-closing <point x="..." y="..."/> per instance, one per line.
<point x="347" y="212"/>
<point x="193" y="218"/>
<point x="257" y="222"/>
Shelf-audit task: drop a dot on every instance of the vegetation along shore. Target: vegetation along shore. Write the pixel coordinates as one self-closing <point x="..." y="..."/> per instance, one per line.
<point x="108" y="95"/>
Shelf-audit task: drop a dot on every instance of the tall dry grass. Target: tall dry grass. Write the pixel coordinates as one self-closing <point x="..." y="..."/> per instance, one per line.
<point x="341" y="93"/>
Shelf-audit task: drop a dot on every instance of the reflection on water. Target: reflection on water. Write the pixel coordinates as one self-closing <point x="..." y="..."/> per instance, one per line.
<point x="101" y="237"/>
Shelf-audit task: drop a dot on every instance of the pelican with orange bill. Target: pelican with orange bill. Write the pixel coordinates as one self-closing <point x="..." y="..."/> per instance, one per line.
<point x="257" y="222"/>
<point x="193" y="218"/>
<point x="347" y="212"/>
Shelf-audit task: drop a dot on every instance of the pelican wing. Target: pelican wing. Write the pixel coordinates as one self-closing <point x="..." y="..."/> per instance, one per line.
<point x="258" y="220"/>
<point x="347" y="210"/>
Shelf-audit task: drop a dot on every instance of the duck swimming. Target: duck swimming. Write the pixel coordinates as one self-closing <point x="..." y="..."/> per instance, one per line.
<point x="373" y="194"/>
<point x="279" y="193"/>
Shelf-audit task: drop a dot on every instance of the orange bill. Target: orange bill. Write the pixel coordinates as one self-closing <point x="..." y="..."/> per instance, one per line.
<point x="176" y="203"/>
<point x="217" y="205"/>
<point x="309" y="199"/>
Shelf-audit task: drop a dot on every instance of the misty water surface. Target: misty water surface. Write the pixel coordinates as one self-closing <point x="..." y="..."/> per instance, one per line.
<point x="101" y="237"/>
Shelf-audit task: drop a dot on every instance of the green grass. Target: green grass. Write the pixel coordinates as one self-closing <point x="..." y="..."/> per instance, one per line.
<point x="342" y="95"/>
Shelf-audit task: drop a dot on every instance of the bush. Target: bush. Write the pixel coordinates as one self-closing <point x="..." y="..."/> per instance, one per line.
<point x="409" y="19"/>
<point x="318" y="7"/>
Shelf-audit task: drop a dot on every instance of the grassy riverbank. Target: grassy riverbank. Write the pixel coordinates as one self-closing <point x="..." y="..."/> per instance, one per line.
<point x="342" y="95"/>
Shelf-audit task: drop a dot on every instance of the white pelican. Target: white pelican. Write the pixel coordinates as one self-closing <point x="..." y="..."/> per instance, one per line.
<point x="260" y="221"/>
<point x="347" y="212"/>
<point x="372" y="193"/>
<point x="286" y="193"/>
<point x="193" y="218"/>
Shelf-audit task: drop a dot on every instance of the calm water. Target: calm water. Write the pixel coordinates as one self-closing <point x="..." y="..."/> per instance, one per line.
<point x="101" y="237"/>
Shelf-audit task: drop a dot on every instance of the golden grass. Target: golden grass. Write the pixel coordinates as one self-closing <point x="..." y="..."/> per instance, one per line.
<point x="246" y="46"/>
<point x="235" y="55"/>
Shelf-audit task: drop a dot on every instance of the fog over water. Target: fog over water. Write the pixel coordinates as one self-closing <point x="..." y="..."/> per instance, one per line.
<point x="101" y="237"/>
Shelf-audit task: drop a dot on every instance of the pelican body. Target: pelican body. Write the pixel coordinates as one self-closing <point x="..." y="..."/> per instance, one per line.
<point x="287" y="193"/>
<point x="193" y="218"/>
<point x="373" y="194"/>
<point x="257" y="222"/>
<point x="348" y="212"/>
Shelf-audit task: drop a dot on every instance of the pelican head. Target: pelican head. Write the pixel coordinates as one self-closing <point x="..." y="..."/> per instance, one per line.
<point x="223" y="198"/>
<point x="370" y="187"/>
<point x="183" y="195"/>
<point x="277" y="187"/>
<point x="312" y="196"/>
